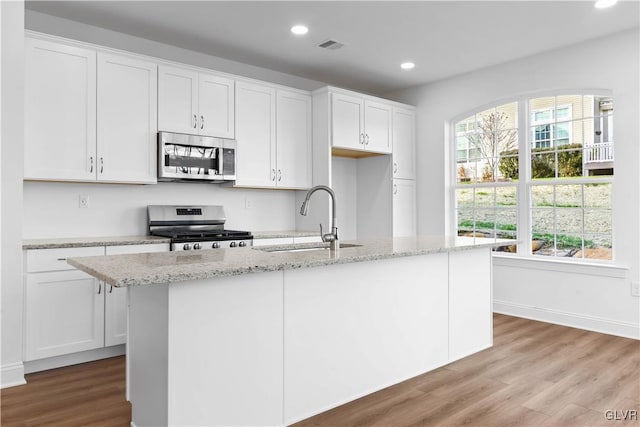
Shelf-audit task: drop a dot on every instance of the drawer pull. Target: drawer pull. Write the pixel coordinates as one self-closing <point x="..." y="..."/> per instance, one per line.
<point x="99" y="288"/>
<point x="62" y="259"/>
<point x="110" y="289"/>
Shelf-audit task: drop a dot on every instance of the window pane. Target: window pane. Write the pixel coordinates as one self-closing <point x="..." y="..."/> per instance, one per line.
<point x="597" y="221"/>
<point x="543" y="106"/>
<point x="589" y="106"/>
<point x="568" y="196"/>
<point x="485" y="221"/>
<point x="569" y="163"/>
<point x="485" y="197"/>
<point x="570" y="106"/>
<point x="568" y="245"/>
<point x="508" y="168"/>
<point x="542" y="196"/>
<point x="509" y="114"/>
<point x="597" y="195"/>
<point x="569" y="221"/>
<point x="464" y="221"/>
<point x="506" y="223"/>
<point x="542" y="221"/>
<point x="464" y="198"/>
<point x="506" y="196"/>
<point x="598" y="246"/>
<point x="543" y="165"/>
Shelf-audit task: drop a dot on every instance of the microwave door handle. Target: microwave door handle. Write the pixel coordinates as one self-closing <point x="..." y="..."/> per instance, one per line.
<point x="220" y="160"/>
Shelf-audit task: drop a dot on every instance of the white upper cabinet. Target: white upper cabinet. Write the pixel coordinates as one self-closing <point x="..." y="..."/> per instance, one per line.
<point x="273" y="131"/>
<point x="195" y="103"/>
<point x="127" y="119"/>
<point x="360" y="124"/>
<point x="60" y="112"/>
<point x="255" y="135"/>
<point x="347" y="118"/>
<point x="177" y="100"/>
<point x="216" y="106"/>
<point x="377" y="127"/>
<point x="404" y="208"/>
<point x="293" y="136"/>
<point x="404" y="143"/>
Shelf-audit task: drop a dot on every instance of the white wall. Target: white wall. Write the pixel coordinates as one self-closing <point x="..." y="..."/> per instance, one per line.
<point x="12" y="136"/>
<point x="51" y="209"/>
<point x="610" y="63"/>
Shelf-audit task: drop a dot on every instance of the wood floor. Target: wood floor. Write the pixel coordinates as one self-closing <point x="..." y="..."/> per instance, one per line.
<point x="536" y="374"/>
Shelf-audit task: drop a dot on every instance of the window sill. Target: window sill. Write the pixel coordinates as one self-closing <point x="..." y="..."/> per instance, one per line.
<point x="562" y="266"/>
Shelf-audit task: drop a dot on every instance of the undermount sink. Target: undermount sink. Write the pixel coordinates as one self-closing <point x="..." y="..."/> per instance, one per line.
<point x="304" y="248"/>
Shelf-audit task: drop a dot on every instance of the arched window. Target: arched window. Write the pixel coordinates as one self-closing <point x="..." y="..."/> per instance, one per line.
<point x="539" y="170"/>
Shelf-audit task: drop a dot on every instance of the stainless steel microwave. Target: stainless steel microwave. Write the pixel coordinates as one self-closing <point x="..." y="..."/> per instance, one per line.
<point x="183" y="157"/>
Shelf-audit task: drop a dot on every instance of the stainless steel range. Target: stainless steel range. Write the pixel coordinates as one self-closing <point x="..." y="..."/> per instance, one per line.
<point x="195" y="227"/>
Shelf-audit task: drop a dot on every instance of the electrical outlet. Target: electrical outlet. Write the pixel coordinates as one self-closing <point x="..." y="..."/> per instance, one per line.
<point x="83" y="201"/>
<point x="635" y="289"/>
<point x="248" y="203"/>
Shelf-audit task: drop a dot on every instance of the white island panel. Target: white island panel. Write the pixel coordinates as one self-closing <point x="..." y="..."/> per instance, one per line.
<point x="225" y="351"/>
<point x="353" y="329"/>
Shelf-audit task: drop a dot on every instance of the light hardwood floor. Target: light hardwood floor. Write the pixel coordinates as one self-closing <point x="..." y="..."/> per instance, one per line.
<point x="536" y="374"/>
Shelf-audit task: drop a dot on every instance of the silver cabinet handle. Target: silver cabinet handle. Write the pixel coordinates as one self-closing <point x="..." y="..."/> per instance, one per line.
<point x="99" y="288"/>
<point x="91" y="167"/>
<point x="395" y="188"/>
<point x="201" y="122"/>
<point x="110" y="289"/>
<point x="362" y="138"/>
<point x="367" y="136"/>
<point x="273" y="174"/>
<point x="195" y="121"/>
<point x="395" y="167"/>
<point x="101" y="164"/>
<point x="62" y="259"/>
<point x="279" y="175"/>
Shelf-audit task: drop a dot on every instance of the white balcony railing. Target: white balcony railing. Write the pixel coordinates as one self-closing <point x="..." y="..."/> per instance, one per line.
<point x="601" y="152"/>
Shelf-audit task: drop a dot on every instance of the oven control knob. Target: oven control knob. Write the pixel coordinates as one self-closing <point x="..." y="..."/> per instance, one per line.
<point x="232" y="244"/>
<point x="215" y="245"/>
<point x="186" y="247"/>
<point x="197" y="246"/>
<point x="242" y="244"/>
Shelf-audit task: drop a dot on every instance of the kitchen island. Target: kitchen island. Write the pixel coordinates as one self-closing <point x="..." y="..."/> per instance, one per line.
<point x="245" y="336"/>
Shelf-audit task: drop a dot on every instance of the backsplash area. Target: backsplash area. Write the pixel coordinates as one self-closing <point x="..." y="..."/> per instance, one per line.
<point x="52" y="209"/>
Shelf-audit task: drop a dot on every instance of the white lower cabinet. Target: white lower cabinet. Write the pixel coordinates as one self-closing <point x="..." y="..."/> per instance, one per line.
<point x="404" y="208"/>
<point x="64" y="313"/>
<point x="68" y="311"/>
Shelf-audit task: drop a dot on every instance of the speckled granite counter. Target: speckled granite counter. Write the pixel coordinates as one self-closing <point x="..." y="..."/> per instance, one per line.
<point x="284" y="234"/>
<point x="78" y="242"/>
<point x="144" y="269"/>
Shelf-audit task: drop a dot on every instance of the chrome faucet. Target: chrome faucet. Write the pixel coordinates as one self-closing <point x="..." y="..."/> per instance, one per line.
<point x="331" y="237"/>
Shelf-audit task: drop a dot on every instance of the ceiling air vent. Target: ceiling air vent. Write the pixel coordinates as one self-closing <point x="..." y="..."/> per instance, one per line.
<point x="331" y="44"/>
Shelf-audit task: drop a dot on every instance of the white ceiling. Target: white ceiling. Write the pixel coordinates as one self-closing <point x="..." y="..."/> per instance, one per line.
<point x="443" y="38"/>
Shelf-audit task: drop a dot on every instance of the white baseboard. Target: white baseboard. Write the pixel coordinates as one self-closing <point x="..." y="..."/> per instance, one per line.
<point x="12" y="375"/>
<point x="580" y="321"/>
<point x="73" y="358"/>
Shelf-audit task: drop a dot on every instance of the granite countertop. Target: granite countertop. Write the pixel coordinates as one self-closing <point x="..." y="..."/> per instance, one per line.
<point x="164" y="267"/>
<point x="79" y="242"/>
<point x="284" y="234"/>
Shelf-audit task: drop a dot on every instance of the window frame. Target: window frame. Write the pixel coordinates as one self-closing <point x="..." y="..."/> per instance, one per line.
<point x="525" y="183"/>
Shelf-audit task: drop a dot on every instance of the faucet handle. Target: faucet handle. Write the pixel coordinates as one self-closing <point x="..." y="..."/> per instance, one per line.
<point x="321" y="233"/>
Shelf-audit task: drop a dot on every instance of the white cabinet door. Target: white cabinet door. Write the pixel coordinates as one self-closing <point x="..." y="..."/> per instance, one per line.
<point x="255" y="135"/>
<point x="404" y="208"/>
<point x="64" y="314"/>
<point x="216" y="106"/>
<point x="127" y="119"/>
<point x="115" y="304"/>
<point x="60" y="112"/>
<point x="293" y="130"/>
<point x="347" y="121"/>
<point x="404" y="143"/>
<point x="377" y="126"/>
<point x="177" y="100"/>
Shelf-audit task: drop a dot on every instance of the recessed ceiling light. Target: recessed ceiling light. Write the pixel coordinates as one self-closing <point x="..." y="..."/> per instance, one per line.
<point x="602" y="4"/>
<point x="407" y="65"/>
<point x="299" y="30"/>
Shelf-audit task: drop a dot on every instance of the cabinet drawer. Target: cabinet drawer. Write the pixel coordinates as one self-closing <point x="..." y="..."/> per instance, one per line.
<point x="273" y="241"/>
<point x="138" y="249"/>
<point x="56" y="259"/>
